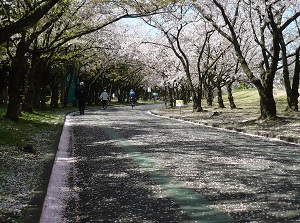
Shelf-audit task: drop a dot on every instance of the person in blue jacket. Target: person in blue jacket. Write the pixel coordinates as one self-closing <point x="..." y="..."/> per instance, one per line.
<point x="132" y="96"/>
<point x="131" y="93"/>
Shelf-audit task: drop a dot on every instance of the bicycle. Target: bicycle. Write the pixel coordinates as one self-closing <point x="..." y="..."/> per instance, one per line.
<point x="132" y="102"/>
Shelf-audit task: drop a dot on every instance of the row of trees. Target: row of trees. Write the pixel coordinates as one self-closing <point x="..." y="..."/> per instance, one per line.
<point x="184" y="47"/>
<point x="44" y="41"/>
<point x="218" y="42"/>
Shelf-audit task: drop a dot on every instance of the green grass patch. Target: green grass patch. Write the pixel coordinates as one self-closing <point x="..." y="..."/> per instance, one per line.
<point x="249" y="98"/>
<point x="23" y="131"/>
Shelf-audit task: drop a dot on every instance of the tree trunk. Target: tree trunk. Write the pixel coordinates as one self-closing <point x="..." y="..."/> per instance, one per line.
<point x="29" y="91"/>
<point x="3" y="85"/>
<point x="13" y="108"/>
<point x="171" y="99"/>
<point x="119" y="94"/>
<point x="96" y="93"/>
<point x="37" y="89"/>
<point x="199" y="98"/>
<point x="183" y="95"/>
<point x="267" y="104"/>
<point x="209" y="92"/>
<point x="54" y="94"/>
<point x="230" y="96"/>
<point x="265" y="90"/>
<point x="62" y="92"/>
<point x="90" y="90"/>
<point x="14" y="82"/>
<point x="194" y="95"/>
<point x="44" y="90"/>
<point x="220" y="98"/>
<point x="292" y="93"/>
<point x="165" y="94"/>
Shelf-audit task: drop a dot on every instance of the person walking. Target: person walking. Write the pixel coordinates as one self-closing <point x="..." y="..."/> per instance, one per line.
<point x="104" y="98"/>
<point x="81" y="95"/>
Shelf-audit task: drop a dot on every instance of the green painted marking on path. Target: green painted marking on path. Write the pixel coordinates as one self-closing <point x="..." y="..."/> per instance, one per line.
<point x="195" y="205"/>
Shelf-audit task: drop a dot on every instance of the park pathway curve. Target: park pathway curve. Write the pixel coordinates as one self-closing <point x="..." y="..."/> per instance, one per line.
<point x="123" y="165"/>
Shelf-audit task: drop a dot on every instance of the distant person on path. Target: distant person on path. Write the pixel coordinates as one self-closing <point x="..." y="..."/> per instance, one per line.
<point x="81" y="94"/>
<point x="104" y="98"/>
<point x="132" y="96"/>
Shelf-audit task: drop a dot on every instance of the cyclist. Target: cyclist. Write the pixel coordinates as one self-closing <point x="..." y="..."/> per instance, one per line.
<point x="132" y="97"/>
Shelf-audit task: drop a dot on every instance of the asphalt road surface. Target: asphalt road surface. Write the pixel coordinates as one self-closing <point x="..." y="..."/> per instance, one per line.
<point x="124" y="165"/>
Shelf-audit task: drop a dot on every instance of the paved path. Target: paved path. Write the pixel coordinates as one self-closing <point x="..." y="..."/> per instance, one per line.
<point x="123" y="165"/>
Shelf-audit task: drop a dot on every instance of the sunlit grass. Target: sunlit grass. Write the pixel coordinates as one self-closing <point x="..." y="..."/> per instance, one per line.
<point x="249" y="101"/>
<point x="249" y="98"/>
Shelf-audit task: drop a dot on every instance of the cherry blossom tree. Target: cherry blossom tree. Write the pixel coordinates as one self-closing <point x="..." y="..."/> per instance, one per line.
<point x="165" y="70"/>
<point x="266" y="20"/>
<point x="289" y="37"/>
<point x="173" y="27"/>
<point x="188" y="37"/>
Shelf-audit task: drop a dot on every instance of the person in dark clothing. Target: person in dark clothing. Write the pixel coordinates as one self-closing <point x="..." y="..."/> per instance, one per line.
<point x="81" y="94"/>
